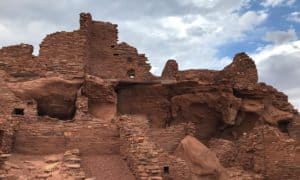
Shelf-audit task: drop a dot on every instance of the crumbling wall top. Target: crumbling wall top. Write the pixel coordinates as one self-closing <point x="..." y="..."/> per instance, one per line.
<point x="85" y="20"/>
<point x="170" y="71"/>
<point x="241" y="72"/>
<point x="16" y="50"/>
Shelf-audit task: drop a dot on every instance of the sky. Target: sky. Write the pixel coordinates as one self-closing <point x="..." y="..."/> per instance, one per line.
<point x="202" y="34"/>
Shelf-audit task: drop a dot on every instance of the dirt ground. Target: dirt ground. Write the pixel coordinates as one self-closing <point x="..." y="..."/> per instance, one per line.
<point x="27" y="167"/>
<point x="106" y="167"/>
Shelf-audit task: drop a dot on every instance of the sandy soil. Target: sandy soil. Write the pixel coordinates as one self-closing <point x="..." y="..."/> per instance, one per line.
<point x="106" y="167"/>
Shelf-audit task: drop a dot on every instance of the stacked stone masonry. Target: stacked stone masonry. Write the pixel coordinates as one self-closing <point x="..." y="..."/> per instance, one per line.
<point x="144" y="157"/>
<point x="87" y="91"/>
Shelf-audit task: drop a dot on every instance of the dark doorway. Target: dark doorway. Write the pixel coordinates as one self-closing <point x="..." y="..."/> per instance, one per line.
<point x="18" y="111"/>
<point x="1" y="137"/>
<point x="166" y="170"/>
<point x="57" y="106"/>
<point x="283" y="126"/>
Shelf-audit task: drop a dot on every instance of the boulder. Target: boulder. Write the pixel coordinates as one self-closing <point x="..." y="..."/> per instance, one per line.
<point x="203" y="162"/>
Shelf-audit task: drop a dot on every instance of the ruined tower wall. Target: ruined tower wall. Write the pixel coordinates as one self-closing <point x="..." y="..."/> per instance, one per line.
<point x="92" y="49"/>
<point x="110" y="60"/>
<point x="100" y="60"/>
<point x="241" y="72"/>
<point x="134" y="62"/>
<point x="64" y="53"/>
<point x="18" y="61"/>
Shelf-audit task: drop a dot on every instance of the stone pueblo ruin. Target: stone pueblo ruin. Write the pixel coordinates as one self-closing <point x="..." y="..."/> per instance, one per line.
<point x="88" y="107"/>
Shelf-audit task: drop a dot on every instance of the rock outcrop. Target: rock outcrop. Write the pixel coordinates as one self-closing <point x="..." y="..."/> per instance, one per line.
<point x="54" y="97"/>
<point x="87" y="91"/>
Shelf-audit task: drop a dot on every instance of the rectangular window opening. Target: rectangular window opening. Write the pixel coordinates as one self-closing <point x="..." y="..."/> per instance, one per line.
<point x="18" y="111"/>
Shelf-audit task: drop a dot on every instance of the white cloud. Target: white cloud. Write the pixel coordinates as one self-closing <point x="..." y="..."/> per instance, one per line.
<point x="294" y="97"/>
<point x="5" y="32"/>
<point x="294" y="17"/>
<point x="270" y="50"/>
<point x="279" y="37"/>
<point x="191" y="39"/>
<point x="217" y="5"/>
<point x="279" y="65"/>
<point x="189" y="30"/>
<point x="274" y="3"/>
<point x="251" y="19"/>
<point x="32" y="32"/>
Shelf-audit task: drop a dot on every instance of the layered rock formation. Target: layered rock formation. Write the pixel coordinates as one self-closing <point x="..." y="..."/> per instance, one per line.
<point x="71" y="94"/>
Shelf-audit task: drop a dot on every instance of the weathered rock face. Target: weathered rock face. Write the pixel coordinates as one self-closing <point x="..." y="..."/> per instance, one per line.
<point x="102" y="98"/>
<point x="142" y="99"/>
<point x="55" y="97"/>
<point x="88" y="77"/>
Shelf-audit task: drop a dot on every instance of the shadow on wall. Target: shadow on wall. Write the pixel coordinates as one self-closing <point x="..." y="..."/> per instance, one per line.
<point x="105" y="111"/>
<point x="57" y="107"/>
<point x="18" y="111"/>
<point x="144" y="99"/>
<point x="245" y="123"/>
<point x="1" y="137"/>
<point x="206" y="119"/>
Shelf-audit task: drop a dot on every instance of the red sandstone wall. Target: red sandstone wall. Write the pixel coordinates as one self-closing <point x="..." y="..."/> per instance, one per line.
<point x="202" y="76"/>
<point x="241" y="72"/>
<point x="7" y="128"/>
<point x="169" y="138"/>
<point x="102" y="98"/>
<point x="270" y="152"/>
<point x="93" y="49"/>
<point x="46" y="137"/>
<point x="170" y="70"/>
<point x="19" y="62"/>
<point x="144" y="157"/>
<point x="148" y="100"/>
<point x="64" y="53"/>
<point x="205" y="118"/>
<point x="110" y="60"/>
<point x="9" y="101"/>
<point x="164" y="103"/>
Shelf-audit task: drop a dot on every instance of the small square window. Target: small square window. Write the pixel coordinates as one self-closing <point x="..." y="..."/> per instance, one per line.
<point x="166" y="170"/>
<point x="131" y="74"/>
<point x="18" y="111"/>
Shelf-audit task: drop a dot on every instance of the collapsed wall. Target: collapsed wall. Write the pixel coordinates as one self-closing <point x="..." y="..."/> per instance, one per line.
<point x="109" y="59"/>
